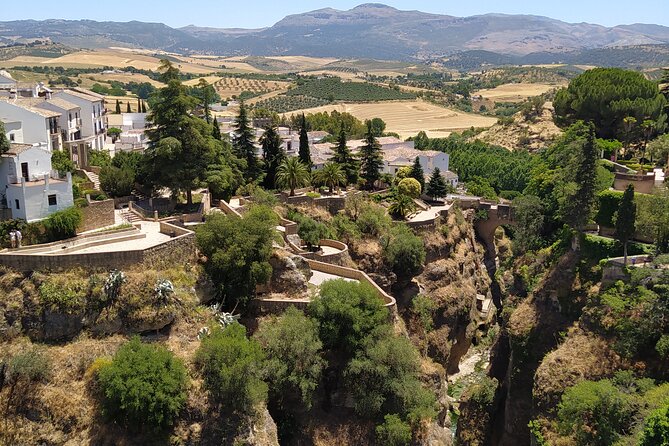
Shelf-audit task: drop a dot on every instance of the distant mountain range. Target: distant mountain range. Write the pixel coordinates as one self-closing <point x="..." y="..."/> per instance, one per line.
<point x="367" y="31"/>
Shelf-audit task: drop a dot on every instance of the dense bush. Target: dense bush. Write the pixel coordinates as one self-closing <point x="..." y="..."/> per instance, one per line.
<point x="608" y="203"/>
<point x="61" y="162"/>
<point x="347" y="312"/>
<point x="62" y="224"/>
<point x="393" y="432"/>
<point x="20" y="373"/>
<point x="383" y="378"/>
<point x="410" y="187"/>
<point x="144" y="386"/>
<point x="99" y="158"/>
<point x="238" y="251"/>
<point x="404" y="252"/>
<point x="293" y="363"/>
<point x="656" y="429"/>
<point x="594" y="412"/>
<point x="117" y="182"/>
<point x="231" y="364"/>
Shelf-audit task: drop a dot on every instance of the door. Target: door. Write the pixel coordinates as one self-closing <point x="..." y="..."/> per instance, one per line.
<point x="24" y="171"/>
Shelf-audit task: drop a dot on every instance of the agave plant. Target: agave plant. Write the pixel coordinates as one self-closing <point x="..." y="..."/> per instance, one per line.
<point x="112" y="286"/>
<point x="164" y="289"/>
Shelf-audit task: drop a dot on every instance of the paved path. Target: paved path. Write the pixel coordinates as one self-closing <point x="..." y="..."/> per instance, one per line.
<point x="327" y="250"/>
<point x="318" y="278"/>
<point x="431" y="213"/>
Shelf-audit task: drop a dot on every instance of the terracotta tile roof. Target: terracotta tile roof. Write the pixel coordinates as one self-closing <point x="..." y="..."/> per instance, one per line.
<point x="90" y="96"/>
<point x="15" y="149"/>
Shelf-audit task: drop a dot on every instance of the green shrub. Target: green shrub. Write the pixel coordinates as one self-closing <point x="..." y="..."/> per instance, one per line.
<point x="656" y="428"/>
<point x="144" y="386"/>
<point x="393" y="432"/>
<point x="99" y="158"/>
<point x="347" y="312"/>
<point x="293" y="362"/>
<point x="483" y="393"/>
<point x="63" y="293"/>
<point x="608" y="203"/>
<point x="60" y="161"/>
<point x="410" y="187"/>
<point x="594" y="413"/>
<point x="662" y="346"/>
<point x="383" y="378"/>
<point x="62" y="224"/>
<point x="117" y="182"/>
<point x="231" y="364"/>
<point x="373" y="220"/>
<point x="404" y="252"/>
<point x="313" y="195"/>
<point x="30" y="365"/>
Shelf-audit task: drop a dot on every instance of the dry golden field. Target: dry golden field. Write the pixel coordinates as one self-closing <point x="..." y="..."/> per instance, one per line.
<point x="227" y="87"/>
<point x="516" y="92"/>
<point x="407" y="118"/>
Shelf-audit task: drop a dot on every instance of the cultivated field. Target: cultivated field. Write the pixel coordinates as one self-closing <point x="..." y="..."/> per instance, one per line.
<point x="407" y="118"/>
<point x="227" y="87"/>
<point x="515" y="92"/>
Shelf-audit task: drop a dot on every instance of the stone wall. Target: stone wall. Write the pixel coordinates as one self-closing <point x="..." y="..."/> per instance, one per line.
<point x="98" y="214"/>
<point x="179" y="250"/>
<point x="643" y="184"/>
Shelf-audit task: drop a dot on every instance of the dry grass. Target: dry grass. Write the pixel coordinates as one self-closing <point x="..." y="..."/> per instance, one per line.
<point x="407" y="118"/>
<point x="582" y="356"/>
<point x="516" y="92"/>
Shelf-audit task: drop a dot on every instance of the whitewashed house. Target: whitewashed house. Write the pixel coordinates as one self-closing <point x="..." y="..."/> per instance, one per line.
<point x="93" y="125"/>
<point x="29" y="188"/>
<point x="30" y="124"/>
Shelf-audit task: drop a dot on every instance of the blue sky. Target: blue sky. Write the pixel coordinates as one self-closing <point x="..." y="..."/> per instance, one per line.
<point x="260" y="13"/>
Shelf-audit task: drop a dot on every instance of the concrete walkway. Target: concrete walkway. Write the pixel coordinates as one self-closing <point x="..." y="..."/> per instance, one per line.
<point x="319" y="277"/>
<point x="431" y="213"/>
<point x="153" y="238"/>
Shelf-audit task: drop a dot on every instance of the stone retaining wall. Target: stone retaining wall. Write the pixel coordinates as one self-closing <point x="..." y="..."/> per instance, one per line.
<point x="98" y="214"/>
<point x="643" y="184"/>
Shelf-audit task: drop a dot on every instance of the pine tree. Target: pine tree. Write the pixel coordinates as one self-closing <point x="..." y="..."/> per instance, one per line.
<point x="345" y="158"/>
<point x="417" y="173"/>
<point x="217" y="130"/>
<point x="118" y="107"/>
<point x="436" y="187"/>
<point x="371" y="158"/>
<point x="304" y="152"/>
<point x="243" y="143"/>
<point x="127" y="110"/>
<point x="626" y="219"/>
<point x="272" y="154"/>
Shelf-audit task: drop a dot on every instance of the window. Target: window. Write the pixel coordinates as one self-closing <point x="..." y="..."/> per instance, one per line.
<point x="52" y="200"/>
<point x="16" y="202"/>
<point x="12" y="137"/>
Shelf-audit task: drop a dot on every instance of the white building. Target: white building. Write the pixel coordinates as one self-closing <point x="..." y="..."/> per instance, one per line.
<point x="28" y="186"/>
<point x="29" y="124"/>
<point x="93" y="126"/>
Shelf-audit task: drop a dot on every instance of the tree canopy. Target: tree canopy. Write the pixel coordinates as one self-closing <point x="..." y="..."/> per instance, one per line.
<point x="605" y="97"/>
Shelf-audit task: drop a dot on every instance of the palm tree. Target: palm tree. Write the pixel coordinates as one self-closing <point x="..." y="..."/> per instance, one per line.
<point x="401" y="206"/>
<point x="292" y="174"/>
<point x="331" y="175"/>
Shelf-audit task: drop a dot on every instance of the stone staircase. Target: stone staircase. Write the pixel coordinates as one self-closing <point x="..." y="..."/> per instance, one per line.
<point x="130" y="217"/>
<point x="94" y="178"/>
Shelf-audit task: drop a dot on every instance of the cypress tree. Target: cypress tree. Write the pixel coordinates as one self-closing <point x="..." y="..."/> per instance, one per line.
<point x="345" y="158"/>
<point x="127" y="110"/>
<point x="436" y="187"/>
<point x="304" y="152"/>
<point x="217" y="130"/>
<point x="371" y="158"/>
<point x="579" y="204"/>
<point x="417" y="173"/>
<point x="243" y="143"/>
<point x="118" y="107"/>
<point x="143" y="107"/>
<point x="272" y="154"/>
<point x="626" y="219"/>
<point x="139" y="105"/>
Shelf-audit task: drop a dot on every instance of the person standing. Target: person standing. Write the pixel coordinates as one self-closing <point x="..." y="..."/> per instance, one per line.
<point x="12" y="239"/>
<point x="19" y="237"/>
